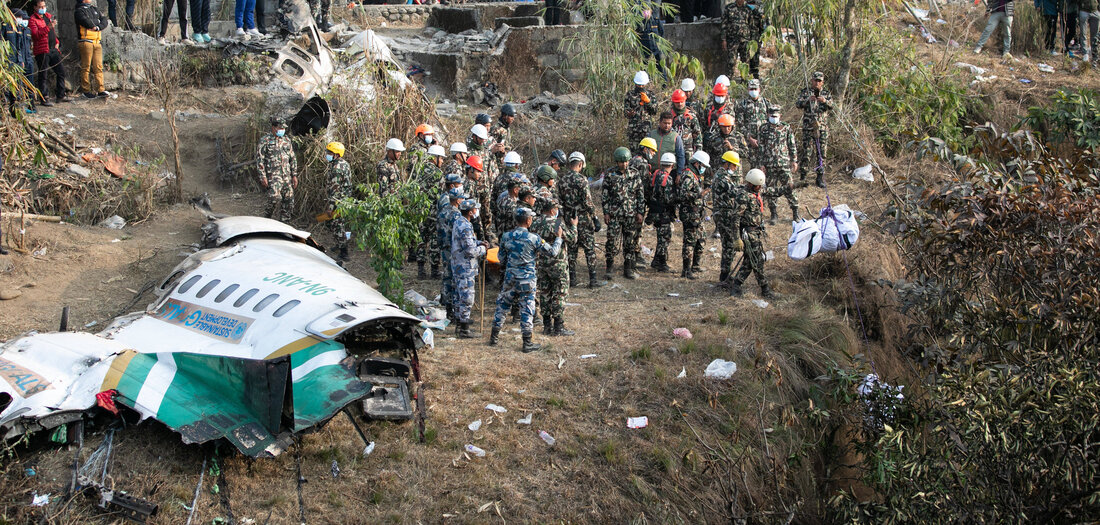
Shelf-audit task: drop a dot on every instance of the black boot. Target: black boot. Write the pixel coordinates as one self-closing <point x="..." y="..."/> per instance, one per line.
<point x="775" y="216"/>
<point x="592" y="282"/>
<point x="435" y="271"/>
<point x="628" y="269"/>
<point x="343" y="253"/>
<point x="820" y="182"/>
<point x="696" y="258"/>
<point x="685" y="270"/>
<point x="420" y="273"/>
<point x="663" y="266"/>
<point x="609" y="274"/>
<point x="547" y="326"/>
<point x="801" y="174"/>
<point x="559" y="328"/>
<point x="494" y="337"/>
<point x="735" y="288"/>
<point x="723" y="276"/>
<point x="767" y="293"/>
<point x="528" y="345"/>
<point x="464" y="332"/>
<point x="794" y="213"/>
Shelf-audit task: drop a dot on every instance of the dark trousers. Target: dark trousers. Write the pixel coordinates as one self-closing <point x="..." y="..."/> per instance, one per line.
<point x="50" y="63"/>
<point x="181" y="8"/>
<point x="112" y="13"/>
<point x="200" y="16"/>
<point x="1052" y="30"/>
<point x="1069" y="21"/>
<point x="260" y="24"/>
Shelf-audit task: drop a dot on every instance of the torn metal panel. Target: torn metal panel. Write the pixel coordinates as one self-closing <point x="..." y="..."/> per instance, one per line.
<point x="307" y="67"/>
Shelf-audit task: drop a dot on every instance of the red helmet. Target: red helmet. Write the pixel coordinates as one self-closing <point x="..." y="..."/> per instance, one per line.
<point x="474" y="162"/>
<point x="678" y="96"/>
<point x="725" y="119"/>
<point x="720" y="90"/>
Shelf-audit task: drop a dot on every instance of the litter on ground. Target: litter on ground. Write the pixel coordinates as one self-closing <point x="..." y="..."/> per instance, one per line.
<point x="525" y="420"/>
<point x="475" y="450"/>
<point x="475" y="425"/>
<point x="637" y="422"/>
<point x="682" y="333"/>
<point x="496" y="408"/>
<point x="720" y="369"/>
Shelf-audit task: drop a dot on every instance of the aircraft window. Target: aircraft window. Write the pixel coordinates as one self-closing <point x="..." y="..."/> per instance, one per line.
<point x="226" y="292"/>
<point x="245" y="297"/>
<point x="286" y="308"/>
<point x="189" y="283"/>
<point x="264" y="302"/>
<point x="206" y="289"/>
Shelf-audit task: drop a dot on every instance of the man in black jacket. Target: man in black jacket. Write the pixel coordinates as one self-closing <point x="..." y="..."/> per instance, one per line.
<point x="89" y="24"/>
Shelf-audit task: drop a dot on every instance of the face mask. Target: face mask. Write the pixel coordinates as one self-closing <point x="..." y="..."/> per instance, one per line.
<point x="460" y="189"/>
<point x="280" y="132"/>
<point x="773" y="120"/>
<point x="329" y="157"/>
<point x="42" y="11"/>
<point x="475" y="214"/>
<point x="754" y="93"/>
<point x="428" y="139"/>
<point x="719" y="100"/>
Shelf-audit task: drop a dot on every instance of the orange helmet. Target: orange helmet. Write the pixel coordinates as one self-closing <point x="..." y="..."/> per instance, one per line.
<point x="474" y="162"/>
<point x="678" y="96"/>
<point x="725" y="119"/>
<point x="425" y="129"/>
<point x="720" y="90"/>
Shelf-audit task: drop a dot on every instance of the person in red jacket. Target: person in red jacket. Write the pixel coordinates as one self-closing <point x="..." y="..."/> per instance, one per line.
<point x="47" y="53"/>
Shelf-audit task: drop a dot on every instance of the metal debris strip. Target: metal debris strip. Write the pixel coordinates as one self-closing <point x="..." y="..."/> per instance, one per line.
<point x="100" y="458"/>
<point x="198" y="489"/>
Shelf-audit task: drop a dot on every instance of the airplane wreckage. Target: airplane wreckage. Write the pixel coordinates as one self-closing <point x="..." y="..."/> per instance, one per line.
<point x="256" y="338"/>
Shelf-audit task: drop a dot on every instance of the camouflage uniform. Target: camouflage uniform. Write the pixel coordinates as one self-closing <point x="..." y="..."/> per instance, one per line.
<point x="777" y="148"/>
<point x="506" y="222"/>
<point x="726" y="184"/>
<point x="518" y="249"/>
<point x="465" y="251"/>
<point x="661" y="200"/>
<point x="747" y="221"/>
<point x="500" y="186"/>
<point x="717" y="145"/>
<point x="621" y="201"/>
<point x="453" y="166"/>
<point x="553" y="282"/>
<point x="339" y="187"/>
<point x="637" y="114"/>
<point x="388" y="176"/>
<point x="429" y="178"/>
<point x="543" y="195"/>
<point x="491" y="171"/>
<point x="689" y="196"/>
<point x="638" y="172"/>
<point x="709" y="117"/>
<point x="480" y="191"/>
<point x="687" y="124"/>
<point x="813" y="123"/>
<point x="500" y="134"/>
<point x="278" y="165"/>
<point x="576" y="201"/>
<point x="444" y="229"/>
<point x="750" y="115"/>
<point x="742" y="24"/>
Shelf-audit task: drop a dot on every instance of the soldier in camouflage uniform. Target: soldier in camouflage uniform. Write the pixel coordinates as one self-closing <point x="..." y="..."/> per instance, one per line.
<point x="814" y="101"/>
<point x="477" y="187"/>
<point x="506" y="206"/>
<point x="508" y="173"/>
<point x="465" y="251"/>
<point x="388" y="173"/>
<point x="457" y="162"/>
<point x="727" y="182"/>
<point x="518" y="249"/>
<point x="750" y="113"/>
<point x="747" y="221"/>
<point x="687" y="85"/>
<point x="478" y="145"/>
<point x="719" y="105"/>
<point x="686" y="123"/>
<point x="444" y="229"/>
<point x="553" y="283"/>
<point x="661" y="202"/>
<point x="500" y="137"/>
<point x="777" y="154"/>
<point x="429" y="178"/>
<point x="576" y="203"/>
<point x="639" y="106"/>
<point x="689" y="197"/>
<point x="722" y="138"/>
<point x="742" y="23"/>
<point x="639" y="170"/>
<point x="620" y="200"/>
<point x="338" y="175"/>
<point x="546" y="190"/>
<point x="278" y="169"/>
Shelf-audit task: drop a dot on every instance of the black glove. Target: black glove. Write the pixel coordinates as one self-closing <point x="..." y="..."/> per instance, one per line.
<point x="596" y="224"/>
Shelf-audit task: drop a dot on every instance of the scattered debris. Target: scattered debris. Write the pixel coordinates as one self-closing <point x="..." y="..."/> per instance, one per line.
<point x="475" y="450"/>
<point x="79" y="171"/>
<point x="496" y="408"/>
<point x="1045" y="68"/>
<point x="113" y="222"/>
<point x="696" y="305"/>
<point x="368" y="449"/>
<point x="589" y="356"/>
<point x="637" y="422"/>
<point x="863" y="173"/>
<point x="415" y="299"/>
<point x="335" y="470"/>
<point x="547" y="437"/>
<point x="682" y="333"/>
<point x="760" y="303"/>
<point x="38" y="500"/>
<point x="720" y="369"/>
<point x="973" y="69"/>
<point x="674" y="295"/>
<point x="683" y="373"/>
<point x="525" y="421"/>
<point x="1025" y="80"/>
<point x="475" y="426"/>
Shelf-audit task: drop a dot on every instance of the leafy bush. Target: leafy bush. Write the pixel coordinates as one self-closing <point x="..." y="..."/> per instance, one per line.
<point x="1074" y="118"/>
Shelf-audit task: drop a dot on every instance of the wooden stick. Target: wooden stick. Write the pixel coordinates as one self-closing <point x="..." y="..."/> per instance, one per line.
<point x="32" y="216"/>
<point x="482" y="275"/>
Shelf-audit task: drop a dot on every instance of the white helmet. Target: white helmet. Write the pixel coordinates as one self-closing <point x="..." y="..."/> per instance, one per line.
<point x="641" y="78"/>
<point x="701" y="157"/>
<point x="668" y="158"/>
<point x="755" y="177"/>
<point x="722" y="79"/>
<point x="687" y="84"/>
<point x="436" y="150"/>
<point x="512" y="159"/>
<point x="575" y="156"/>
<point x="480" y="132"/>
<point x="459" y="147"/>
<point x="395" y="144"/>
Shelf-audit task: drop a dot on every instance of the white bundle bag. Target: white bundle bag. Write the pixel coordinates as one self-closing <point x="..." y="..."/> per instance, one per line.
<point x="805" y="240"/>
<point x="840" y="233"/>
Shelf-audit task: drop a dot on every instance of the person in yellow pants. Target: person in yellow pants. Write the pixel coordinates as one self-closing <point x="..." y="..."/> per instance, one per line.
<point x="90" y="22"/>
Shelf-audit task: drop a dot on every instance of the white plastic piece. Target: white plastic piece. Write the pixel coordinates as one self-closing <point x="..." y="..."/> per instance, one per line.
<point x="475" y="450"/>
<point x="683" y="373"/>
<point x="637" y="422"/>
<point x="760" y="303"/>
<point x="863" y="173"/>
<point x="475" y="426"/>
<point x="547" y="437"/>
<point x="720" y="369"/>
<point x="496" y="408"/>
<point x="525" y="421"/>
<point x="805" y="240"/>
<point x="368" y="449"/>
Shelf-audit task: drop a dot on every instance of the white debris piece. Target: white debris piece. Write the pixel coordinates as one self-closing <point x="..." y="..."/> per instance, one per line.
<point x="760" y="303"/>
<point x="973" y="69"/>
<point x="637" y="422"/>
<point x="496" y="408"/>
<point x="683" y="373"/>
<point x="525" y="420"/>
<point x="475" y="426"/>
<point x="863" y="173"/>
<point x="475" y="450"/>
<point x="720" y="369"/>
<point x="113" y="222"/>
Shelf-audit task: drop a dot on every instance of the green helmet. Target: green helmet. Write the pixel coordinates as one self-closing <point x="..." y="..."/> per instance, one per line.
<point x="545" y="173"/>
<point x="622" y="155"/>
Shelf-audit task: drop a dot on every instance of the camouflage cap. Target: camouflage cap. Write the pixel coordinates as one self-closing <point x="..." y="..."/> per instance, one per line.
<point x="468" y="204"/>
<point x="453" y="178"/>
<point x="523" y="213"/>
<point x="456" y="193"/>
<point x="818" y="75"/>
<point x="774" y="109"/>
<point x="754" y="83"/>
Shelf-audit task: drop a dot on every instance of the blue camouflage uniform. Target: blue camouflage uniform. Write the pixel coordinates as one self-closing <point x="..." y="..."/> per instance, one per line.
<point x="465" y="251"/>
<point x="518" y="250"/>
<point x="444" y="224"/>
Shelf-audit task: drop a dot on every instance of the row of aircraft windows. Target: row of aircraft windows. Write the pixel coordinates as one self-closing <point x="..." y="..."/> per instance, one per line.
<point x="244" y="298"/>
